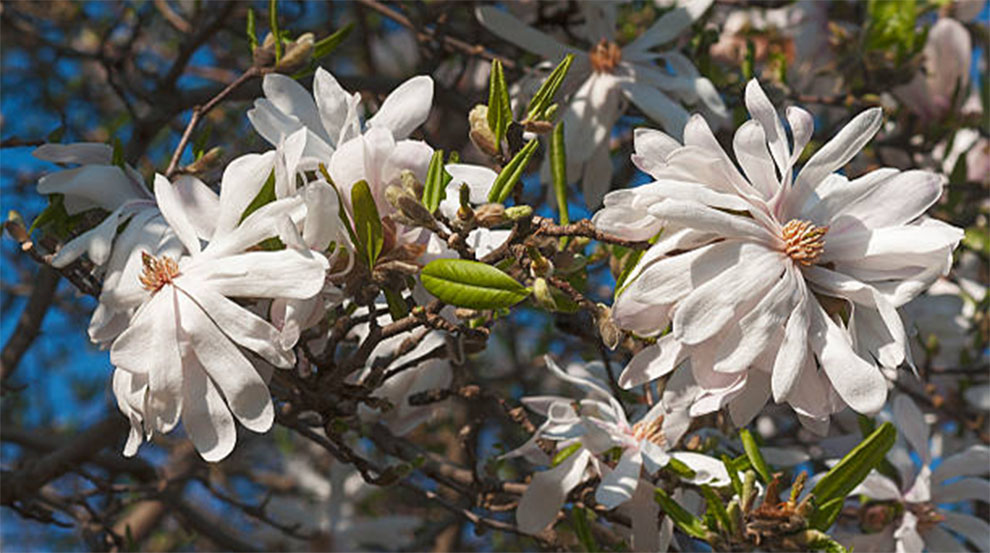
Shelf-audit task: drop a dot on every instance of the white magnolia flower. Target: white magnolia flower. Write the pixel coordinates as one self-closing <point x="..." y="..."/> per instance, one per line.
<point x="181" y="347"/>
<point x="924" y="493"/>
<point x="99" y="184"/>
<point x="753" y="271"/>
<point x="610" y="75"/>
<point x="945" y="79"/>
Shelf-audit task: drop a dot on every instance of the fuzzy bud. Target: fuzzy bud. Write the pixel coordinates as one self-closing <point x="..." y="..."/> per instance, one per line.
<point x="490" y="215"/>
<point x="297" y="54"/>
<point x="264" y="55"/>
<point x="538" y="127"/>
<point x="410" y="183"/>
<point x="411" y="209"/>
<point x="481" y="134"/>
<point x="609" y="331"/>
<point x="518" y="212"/>
<point x="542" y="295"/>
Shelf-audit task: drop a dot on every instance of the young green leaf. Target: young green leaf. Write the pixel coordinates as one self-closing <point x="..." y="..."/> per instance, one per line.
<point x="397" y="307"/>
<point x="499" y="108"/>
<point x="680" y="468"/>
<point x="465" y="283"/>
<point x="544" y="96"/>
<point x="367" y="222"/>
<point x="507" y="179"/>
<point x="853" y="468"/>
<point x="754" y="455"/>
<point x="252" y="34"/>
<point x="563" y="454"/>
<point x="328" y="44"/>
<point x="558" y="171"/>
<point x="273" y="24"/>
<point x="434" y="187"/>
<point x="687" y="522"/>
<point x="264" y="196"/>
<point x="716" y="507"/>
<point x="579" y="519"/>
<point x="826" y="513"/>
<point x="730" y="468"/>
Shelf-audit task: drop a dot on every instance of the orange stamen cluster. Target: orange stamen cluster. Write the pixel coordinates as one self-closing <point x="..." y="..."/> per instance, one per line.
<point x="803" y="241"/>
<point x="157" y="271"/>
<point x="650" y="432"/>
<point x="605" y="56"/>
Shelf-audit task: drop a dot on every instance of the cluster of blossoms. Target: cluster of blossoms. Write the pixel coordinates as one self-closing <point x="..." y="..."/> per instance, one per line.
<point x="762" y="280"/>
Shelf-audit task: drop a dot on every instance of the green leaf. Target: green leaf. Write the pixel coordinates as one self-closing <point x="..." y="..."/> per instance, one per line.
<point x="730" y="468"/>
<point x="397" y="307"/>
<point x="754" y="455"/>
<point x="687" y="522"/>
<point x="853" y="468"/>
<point x="716" y="507"/>
<point x="434" y="189"/>
<point x="265" y="196"/>
<point x="328" y="44"/>
<point x="56" y="135"/>
<point x="199" y="145"/>
<point x="563" y="454"/>
<point x="252" y="34"/>
<point x="54" y="213"/>
<point x="558" y="170"/>
<point x="680" y="469"/>
<point x="579" y="519"/>
<point x="465" y="283"/>
<point x="118" y="153"/>
<point x="367" y="223"/>
<point x="544" y="96"/>
<point x="825" y="515"/>
<point x="273" y="24"/>
<point x="507" y="179"/>
<point x="499" y="108"/>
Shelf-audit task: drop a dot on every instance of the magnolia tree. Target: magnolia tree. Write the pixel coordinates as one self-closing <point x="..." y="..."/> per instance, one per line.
<point x="684" y="275"/>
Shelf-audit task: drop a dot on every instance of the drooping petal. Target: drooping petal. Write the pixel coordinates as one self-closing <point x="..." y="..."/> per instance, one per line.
<point x="653" y="362"/>
<point x="547" y="492"/>
<point x="859" y="383"/>
<point x="406" y="107"/>
<point x="618" y="486"/>
<point x="205" y="416"/>
<point x="745" y="406"/>
<point x="104" y="186"/>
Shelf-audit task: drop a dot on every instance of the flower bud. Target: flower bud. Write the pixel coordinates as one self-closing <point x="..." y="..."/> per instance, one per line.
<point x="206" y="162"/>
<point x="490" y="215"/>
<point x="411" y="209"/>
<point x="518" y="212"/>
<point x="297" y="54"/>
<point x="539" y="267"/>
<point x="542" y="295"/>
<point x="481" y="134"/>
<point x="264" y="55"/>
<point x="410" y="183"/>
<point x="15" y="227"/>
<point x="538" y="127"/>
<point x="609" y="331"/>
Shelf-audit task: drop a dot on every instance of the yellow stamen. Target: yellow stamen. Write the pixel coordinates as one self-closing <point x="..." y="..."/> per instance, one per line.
<point x="157" y="271"/>
<point x="803" y="241"/>
<point x="650" y="432"/>
<point x="604" y="56"/>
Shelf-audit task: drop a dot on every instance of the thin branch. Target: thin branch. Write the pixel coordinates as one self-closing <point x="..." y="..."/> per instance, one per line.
<point x="28" y="325"/>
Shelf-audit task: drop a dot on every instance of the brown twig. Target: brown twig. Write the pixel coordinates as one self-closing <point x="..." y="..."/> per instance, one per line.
<point x="30" y="321"/>
<point x="586" y="229"/>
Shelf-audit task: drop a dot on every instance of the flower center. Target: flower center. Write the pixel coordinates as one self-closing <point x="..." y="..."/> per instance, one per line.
<point x="605" y="56"/>
<point x="928" y="515"/>
<point x="157" y="271"/>
<point x="650" y="432"/>
<point x="803" y="241"/>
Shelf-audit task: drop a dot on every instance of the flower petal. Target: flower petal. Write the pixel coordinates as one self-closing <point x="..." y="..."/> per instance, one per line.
<point x="618" y="486"/>
<point x="174" y="212"/>
<point x="971" y="462"/>
<point x="547" y="492"/>
<point x="293" y="99"/>
<point x="406" y="107"/>
<point x="879" y="487"/>
<point x="669" y="26"/>
<point x="242" y="180"/>
<point x="975" y="530"/>
<point x="278" y="274"/>
<point x="653" y="362"/>
<point x="205" y="416"/>
<point x="511" y="29"/>
<point x="859" y="383"/>
<point x="964" y="489"/>
<point x="657" y="106"/>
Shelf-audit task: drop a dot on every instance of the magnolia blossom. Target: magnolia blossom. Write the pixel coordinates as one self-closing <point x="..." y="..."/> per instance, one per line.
<point x="610" y="75"/>
<point x="923" y="517"/>
<point x="181" y="347"/>
<point x="774" y="283"/>
<point x="945" y="79"/>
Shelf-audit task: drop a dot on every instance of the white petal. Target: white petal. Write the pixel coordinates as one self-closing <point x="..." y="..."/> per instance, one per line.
<point x="763" y="111"/>
<point x="241" y="385"/>
<point x="547" y="492"/>
<point x="972" y="462"/>
<point x="745" y="406"/>
<point x="205" y="416"/>
<point x="278" y="274"/>
<point x="336" y="105"/>
<point x="977" y="531"/>
<point x="881" y="248"/>
<point x="904" y="197"/>
<point x="173" y="210"/>
<point x="750" y="146"/>
<point x="704" y="218"/>
<point x="104" y="186"/>
<point x="657" y="106"/>
<point x="643" y="511"/>
<point x="879" y="487"/>
<point x="907" y="536"/>
<point x="511" y="29"/>
<point x="859" y="383"/>
<point x="651" y="148"/>
<point x="406" y="108"/>
<point x="96" y="242"/>
<point x="964" y="489"/>
<point x="242" y="180"/>
<point x="793" y="352"/>
<point x="83" y="153"/>
<point x="271" y="123"/>
<point x="937" y="539"/>
<point x="707" y="470"/>
<point x="912" y="425"/>
<point x="653" y="362"/>
<point x="293" y="99"/>
<point x="760" y="326"/>
<point x="201" y="204"/>
<point x="669" y="25"/>
<point x="618" y="486"/>
<point x="256" y="227"/>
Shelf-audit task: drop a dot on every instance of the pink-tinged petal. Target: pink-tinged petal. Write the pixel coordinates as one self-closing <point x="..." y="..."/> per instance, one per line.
<point x="975" y="530"/>
<point x="937" y="539"/>
<point x="201" y="204"/>
<point x="711" y="306"/>
<point x="588" y="384"/>
<point x="703" y="218"/>
<point x="174" y="212"/>
<point x="205" y="416"/>
<point x="511" y="29"/>
<point x="745" y="406"/>
<point x="406" y="107"/>
<point x="692" y="191"/>
<point x="907" y="537"/>
<point x="242" y="180"/>
<point x="641" y="319"/>
<point x="948" y="54"/>
<point x="241" y="325"/>
<point x="83" y="153"/>
<point x="831" y="157"/>
<point x="903" y="197"/>
<point x="911" y="423"/>
<point x="657" y="106"/>
<point x="973" y="461"/>
<point x="859" y="383"/>
<point x="547" y="492"/>
<point x="653" y="362"/>
<point x="671" y="278"/>
<point x="623" y="220"/>
<point x="618" y="486"/>
<point x="964" y="489"/>
<point x="103" y="186"/>
<point x="763" y="111"/>
<point x="879" y="487"/>
<point x="670" y="25"/>
<point x="792" y="356"/>
<point x="293" y="99"/>
<point x="278" y="274"/>
<point x="245" y="391"/>
<point x="750" y="146"/>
